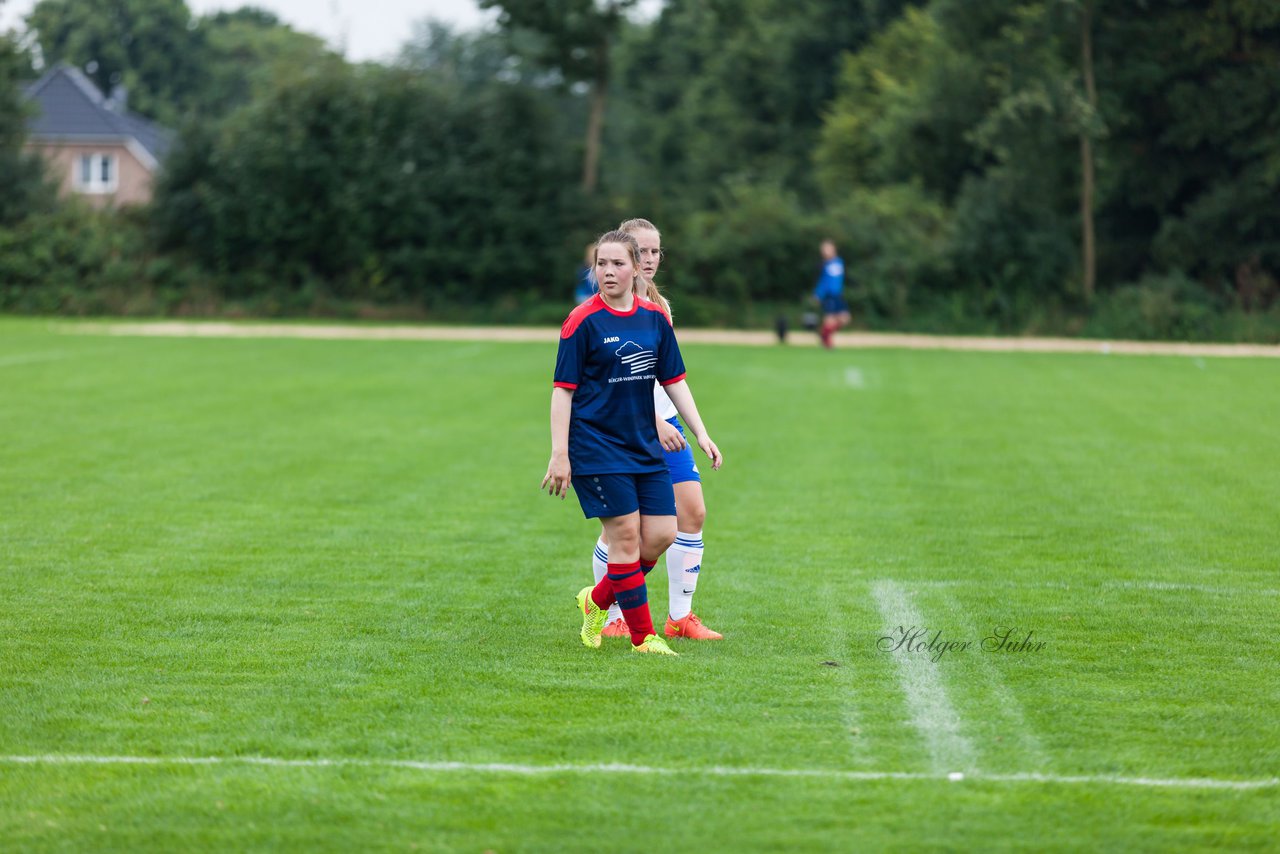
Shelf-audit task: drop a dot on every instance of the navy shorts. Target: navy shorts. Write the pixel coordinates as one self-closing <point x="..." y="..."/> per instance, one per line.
<point x="834" y="305"/>
<point x="680" y="463"/>
<point x="604" y="495"/>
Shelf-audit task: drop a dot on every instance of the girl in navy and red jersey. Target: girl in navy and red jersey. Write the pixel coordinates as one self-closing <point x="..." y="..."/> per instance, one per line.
<point x="604" y="439"/>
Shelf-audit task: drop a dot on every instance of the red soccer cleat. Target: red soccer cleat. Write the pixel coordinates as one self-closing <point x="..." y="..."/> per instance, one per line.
<point x="690" y="627"/>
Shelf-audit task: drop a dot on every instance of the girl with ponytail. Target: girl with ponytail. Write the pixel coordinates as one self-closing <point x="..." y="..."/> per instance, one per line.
<point x="684" y="558"/>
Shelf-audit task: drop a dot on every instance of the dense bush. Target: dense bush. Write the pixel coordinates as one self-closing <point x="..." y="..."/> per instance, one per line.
<point x="72" y="259"/>
<point x="756" y="244"/>
<point x="383" y="184"/>
<point x="1168" y="306"/>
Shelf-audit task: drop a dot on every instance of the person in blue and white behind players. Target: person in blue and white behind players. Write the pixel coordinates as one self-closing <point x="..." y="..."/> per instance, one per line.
<point x="604" y="436"/>
<point x="684" y="558"/>
<point x="585" y="288"/>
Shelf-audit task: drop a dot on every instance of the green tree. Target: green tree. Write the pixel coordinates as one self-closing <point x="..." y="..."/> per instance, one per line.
<point x="475" y="59"/>
<point x="243" y="49"/>
<point x="903" y="111"/>
<point x="1195" y="146"/>
<point x="720" y="91"/>
<point x="577" y="41"/>
<point x="978" y="105"/>
<point x="21" y="174"/>
<point x="153" y="47"/>
<point x="1088" y="180"/>
<point x="374" y="183"/>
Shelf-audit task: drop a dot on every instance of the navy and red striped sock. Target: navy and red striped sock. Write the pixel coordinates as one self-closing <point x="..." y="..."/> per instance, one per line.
<point x="624" y="584"/>
<point x="602" y="594"/>
<point x="634" y="602"/>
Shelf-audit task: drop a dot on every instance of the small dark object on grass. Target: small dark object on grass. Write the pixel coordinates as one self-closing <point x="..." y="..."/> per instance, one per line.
<point x="830" y="664"/>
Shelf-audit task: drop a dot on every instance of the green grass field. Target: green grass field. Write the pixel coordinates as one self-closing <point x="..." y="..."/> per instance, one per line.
<point x="317" y="563"/>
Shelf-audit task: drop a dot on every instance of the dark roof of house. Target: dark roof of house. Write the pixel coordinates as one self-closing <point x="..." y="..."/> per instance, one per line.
<point x="72" y="108"/>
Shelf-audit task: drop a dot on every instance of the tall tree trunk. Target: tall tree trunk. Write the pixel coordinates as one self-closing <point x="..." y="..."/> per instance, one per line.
<point x="595" y="120"/>
<point x="1088" y="248"/>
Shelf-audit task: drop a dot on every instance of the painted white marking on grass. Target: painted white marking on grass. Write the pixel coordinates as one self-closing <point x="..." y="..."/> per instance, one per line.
<point x="853" y="378"/>
<point x="621" y="769"/>
<point x="931" y="712"/>
<point x="31" y="358"/>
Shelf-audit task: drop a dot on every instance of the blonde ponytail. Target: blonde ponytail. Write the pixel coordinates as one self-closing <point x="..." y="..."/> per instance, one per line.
<point x="646" y="289"/>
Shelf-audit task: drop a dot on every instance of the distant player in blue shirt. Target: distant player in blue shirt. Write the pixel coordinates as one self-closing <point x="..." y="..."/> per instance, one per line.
<point x="604" y="437"/>
<point x="830" y="295"/>
<point x="586" y="286"/>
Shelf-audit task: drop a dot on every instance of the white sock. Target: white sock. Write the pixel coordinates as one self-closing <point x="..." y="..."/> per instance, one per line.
<point x="600" y="568"/>
<point x="684" y="560"/>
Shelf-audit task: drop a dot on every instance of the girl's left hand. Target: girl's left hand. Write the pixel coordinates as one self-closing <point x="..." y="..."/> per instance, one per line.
<point x="559" y="476"/>
<point x="709" y="448"/>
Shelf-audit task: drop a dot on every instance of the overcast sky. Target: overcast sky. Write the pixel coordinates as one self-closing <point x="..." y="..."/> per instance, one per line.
<point x="369" y="29"/>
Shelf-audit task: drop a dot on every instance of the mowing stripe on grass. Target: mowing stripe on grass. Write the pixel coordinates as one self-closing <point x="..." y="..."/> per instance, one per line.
<point x="713" y="771"/>
<point x="32" y="358"/>
<point x="931" y="711"/>
<point x="847" y="679"/>
<point x="1006" y="705"/>
<point x="1159" y="586"/>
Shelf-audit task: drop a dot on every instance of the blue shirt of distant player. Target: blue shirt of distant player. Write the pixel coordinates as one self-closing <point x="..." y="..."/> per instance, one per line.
<point x="830" y="289"/>
<point x="611" y="359"/>
<point x="586" y="283"/>
<point x="831" y="282"/>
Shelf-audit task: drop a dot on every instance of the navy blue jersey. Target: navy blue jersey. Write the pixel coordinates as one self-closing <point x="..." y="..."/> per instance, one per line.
<point x="611" y="360"/>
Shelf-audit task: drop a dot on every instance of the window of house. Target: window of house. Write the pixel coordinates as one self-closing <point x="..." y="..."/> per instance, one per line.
<point x="97" y="173"/>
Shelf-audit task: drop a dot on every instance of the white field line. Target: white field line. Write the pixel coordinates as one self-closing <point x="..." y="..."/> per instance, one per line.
<point x="853" y="340"/>
<point x="931" y="711"/>
<point x="853" y="378"/>
<point x="517" y="769"/>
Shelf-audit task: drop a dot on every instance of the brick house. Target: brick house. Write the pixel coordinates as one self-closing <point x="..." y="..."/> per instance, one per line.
<point x="94" y="146"/>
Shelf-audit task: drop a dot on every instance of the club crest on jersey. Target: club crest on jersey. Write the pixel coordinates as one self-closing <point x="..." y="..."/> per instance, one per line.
<point x="636" y="357"/>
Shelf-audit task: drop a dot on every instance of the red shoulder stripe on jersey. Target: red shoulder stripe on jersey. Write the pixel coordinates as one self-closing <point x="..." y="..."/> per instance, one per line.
<point x="675" y="380"/>
<point x="570" y="386"/>
<point x="579" y="314"/>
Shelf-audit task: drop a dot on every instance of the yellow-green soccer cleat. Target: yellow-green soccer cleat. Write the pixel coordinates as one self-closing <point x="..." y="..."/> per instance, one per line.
<point x="592" y="619"/>
<point x="655" y="644"/>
